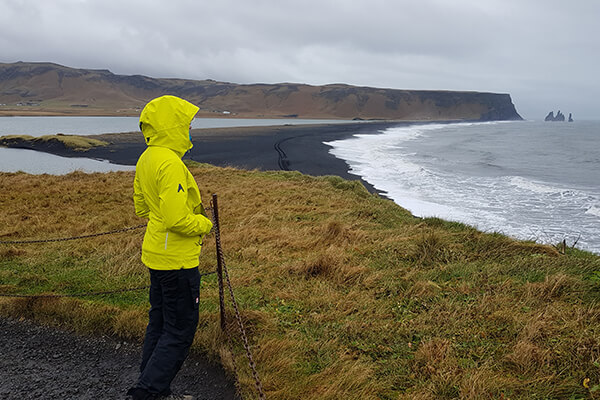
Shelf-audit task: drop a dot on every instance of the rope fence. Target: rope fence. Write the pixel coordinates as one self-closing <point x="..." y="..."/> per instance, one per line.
<point x="220" y="271"/>
<point x="73" y="237"/>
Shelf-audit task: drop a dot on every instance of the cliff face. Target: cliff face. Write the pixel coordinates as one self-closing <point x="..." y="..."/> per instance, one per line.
<point x="55" y="86"/>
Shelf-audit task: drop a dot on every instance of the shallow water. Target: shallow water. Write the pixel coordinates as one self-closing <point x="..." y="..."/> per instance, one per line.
<point x="39" y="126"/>
<point x="35" y="162"/>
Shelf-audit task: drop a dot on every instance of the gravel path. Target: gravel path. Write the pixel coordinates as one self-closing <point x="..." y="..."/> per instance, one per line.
<point x="38" y="362"/>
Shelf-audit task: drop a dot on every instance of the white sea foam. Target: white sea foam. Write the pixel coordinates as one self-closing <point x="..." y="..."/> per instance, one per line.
<point x="520" y="207"/>
<point x="594" y="210"/>
<point x="536" y="187"/>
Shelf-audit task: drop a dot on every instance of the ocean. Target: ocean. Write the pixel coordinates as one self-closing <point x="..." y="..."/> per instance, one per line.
<point x="530" y="180"/>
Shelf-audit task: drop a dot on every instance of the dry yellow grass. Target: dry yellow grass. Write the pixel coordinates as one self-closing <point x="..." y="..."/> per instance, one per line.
<point x="345" y="295"/>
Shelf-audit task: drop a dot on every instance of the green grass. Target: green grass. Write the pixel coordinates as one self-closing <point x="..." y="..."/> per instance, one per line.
<point x="345" y="295"/>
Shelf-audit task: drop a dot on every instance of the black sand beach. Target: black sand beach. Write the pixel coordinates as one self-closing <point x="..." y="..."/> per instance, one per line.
<point x="288" y="147"/>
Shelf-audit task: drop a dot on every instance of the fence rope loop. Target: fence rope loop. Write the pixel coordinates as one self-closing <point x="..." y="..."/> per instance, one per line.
<point x="221" y="261"/>
<point x="73" y="237"/>
<point x="221" y="270"/>
<point x="85" y="294"/>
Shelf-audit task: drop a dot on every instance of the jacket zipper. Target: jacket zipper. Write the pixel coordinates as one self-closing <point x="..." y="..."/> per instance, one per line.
<point x="166" y="239"/>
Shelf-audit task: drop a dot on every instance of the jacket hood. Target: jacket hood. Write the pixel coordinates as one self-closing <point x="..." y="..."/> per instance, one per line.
<point x="165" y="122"/>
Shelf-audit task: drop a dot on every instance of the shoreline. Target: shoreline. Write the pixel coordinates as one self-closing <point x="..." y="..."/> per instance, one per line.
<point x="278" y="147"/>
<point x="282" y="147"/>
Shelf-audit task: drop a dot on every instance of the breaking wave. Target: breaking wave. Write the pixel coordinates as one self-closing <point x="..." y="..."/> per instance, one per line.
<point x="516" y="205"/>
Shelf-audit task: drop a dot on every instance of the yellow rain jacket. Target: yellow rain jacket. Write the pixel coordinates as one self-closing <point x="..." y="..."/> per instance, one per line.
<point x="165" y="191"/>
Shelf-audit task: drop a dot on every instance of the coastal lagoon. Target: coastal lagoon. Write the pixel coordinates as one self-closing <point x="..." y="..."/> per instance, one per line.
<point x="33" y="162"/>
<point x="83" y="126"/>
<point x="36" y="162"/>
<point x="529" y="180"/>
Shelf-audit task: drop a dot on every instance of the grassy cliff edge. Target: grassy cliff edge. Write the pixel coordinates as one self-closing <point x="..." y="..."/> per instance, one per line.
<point x="345" y="295"/>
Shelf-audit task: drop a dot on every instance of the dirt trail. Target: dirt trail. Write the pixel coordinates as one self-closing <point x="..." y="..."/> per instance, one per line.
<point x="38" y="362"/>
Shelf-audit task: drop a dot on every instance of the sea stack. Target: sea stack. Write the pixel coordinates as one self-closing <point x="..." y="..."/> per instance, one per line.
<point x="559" y="116"/>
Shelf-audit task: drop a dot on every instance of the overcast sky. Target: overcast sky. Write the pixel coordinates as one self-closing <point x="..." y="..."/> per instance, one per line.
<point x="544" y="53"/>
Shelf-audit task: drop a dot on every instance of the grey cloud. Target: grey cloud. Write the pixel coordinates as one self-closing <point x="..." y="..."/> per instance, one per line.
<point x="539" y="51"/>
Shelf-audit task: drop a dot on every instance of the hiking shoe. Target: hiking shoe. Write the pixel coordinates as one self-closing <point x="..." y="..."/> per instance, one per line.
<point x="178" y="397"/>
<point x="139" y="394"/>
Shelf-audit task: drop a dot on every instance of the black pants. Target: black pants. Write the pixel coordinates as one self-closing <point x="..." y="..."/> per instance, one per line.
<point x="173" y="320"/>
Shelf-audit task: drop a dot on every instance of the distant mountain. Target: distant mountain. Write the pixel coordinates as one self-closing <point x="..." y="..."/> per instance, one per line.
<point x="52" y="88"/>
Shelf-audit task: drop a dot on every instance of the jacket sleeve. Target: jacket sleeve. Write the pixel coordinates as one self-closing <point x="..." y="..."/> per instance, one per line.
<point x="177" y="217"/>
<point x="141" y="207"/>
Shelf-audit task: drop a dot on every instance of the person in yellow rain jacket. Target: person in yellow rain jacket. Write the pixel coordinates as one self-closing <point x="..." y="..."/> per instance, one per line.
<point x="166" y="193"/>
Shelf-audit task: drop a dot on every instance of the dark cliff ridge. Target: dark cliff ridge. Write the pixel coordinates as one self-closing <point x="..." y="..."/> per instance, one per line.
<point x="38" y="83"/>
